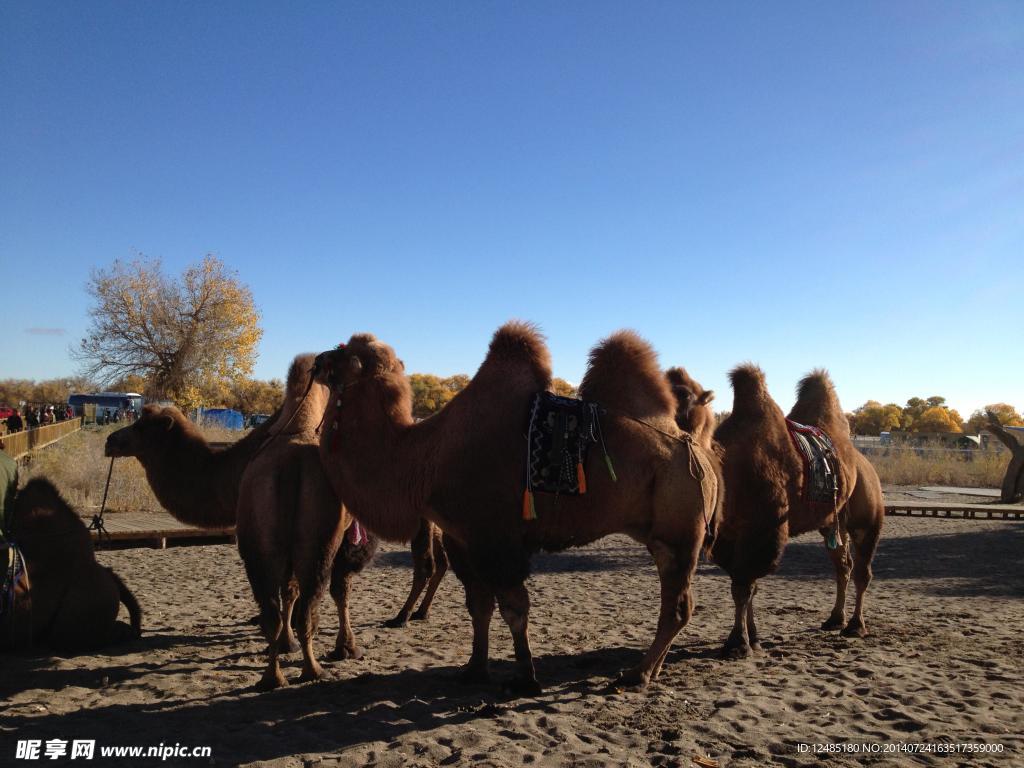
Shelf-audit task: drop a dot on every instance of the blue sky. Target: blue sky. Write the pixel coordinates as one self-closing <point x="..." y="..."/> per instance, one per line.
<point x="428" y="171"/>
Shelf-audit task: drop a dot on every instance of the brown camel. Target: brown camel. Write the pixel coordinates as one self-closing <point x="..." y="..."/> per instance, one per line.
<point x="207" y="487"/>
<point x="1012" y="489"/>
<point x="765" y="503"/>
<point x="465" y="470"/>
<point x="429" y="565"/>
<point x="693" y="406"/>
<point x="63" y="599"/>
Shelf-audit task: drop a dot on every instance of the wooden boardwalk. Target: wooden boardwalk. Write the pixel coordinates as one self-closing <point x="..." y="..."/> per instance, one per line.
<point x="154" y="528"/>
<point x="944" y="509"/>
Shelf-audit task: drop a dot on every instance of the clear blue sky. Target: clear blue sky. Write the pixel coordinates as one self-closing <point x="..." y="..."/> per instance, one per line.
<point x="428" y="171"/>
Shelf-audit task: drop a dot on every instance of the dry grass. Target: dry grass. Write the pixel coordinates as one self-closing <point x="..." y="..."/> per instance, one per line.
<point x="905" y="467"/>
<point x="77" y="466"/>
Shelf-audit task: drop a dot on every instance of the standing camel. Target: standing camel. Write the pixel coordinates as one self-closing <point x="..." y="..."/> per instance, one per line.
<point x="865" y="507"/>
<point x="204" y="486"/>
<point x="765" y="483"/>
<point x="62" y="599"/>
<point x="465" y="470"/>
<point x="1013" y="481"/>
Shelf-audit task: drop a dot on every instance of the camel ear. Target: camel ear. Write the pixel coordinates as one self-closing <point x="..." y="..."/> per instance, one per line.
<point x="706" y="397"/>
<point x="355" y="365"/>
<point x="170" y="423"/>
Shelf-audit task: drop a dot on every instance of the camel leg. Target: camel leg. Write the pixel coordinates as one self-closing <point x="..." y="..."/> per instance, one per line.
<point x="311" y="592"/>
<point x="422" y="571"/>
<point x="268" y="588"/>
<point x="345" y="646"/>
<point x="289" y="595"/>
<point x="864" y="542"/>
<point x="840" y="557"/>
<point x="514" y="605"/>
<point x="736" y="645"/>
<point x="752" y="639"/>
<point x="675" y="570"/>
<point x="480" y="603"/>
<point x="440" y="569"/>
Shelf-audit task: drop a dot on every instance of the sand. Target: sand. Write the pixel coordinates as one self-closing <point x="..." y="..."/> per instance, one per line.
<point x="943" y="664"/>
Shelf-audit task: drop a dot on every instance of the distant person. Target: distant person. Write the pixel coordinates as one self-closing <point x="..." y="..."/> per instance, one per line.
<point x="69" y="412"/>
<point x="31" y="418"/>
<point x="47" y="417"/>
<point x="8" y="487"/>
<point x="14" y="422"/>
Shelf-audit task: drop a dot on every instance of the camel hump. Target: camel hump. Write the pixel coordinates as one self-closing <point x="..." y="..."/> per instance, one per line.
<point x="40" y="493"/>
<point x="516" y="344"/>
<point x="623" y="373"/>
<point x="817" y="403"/>
<point x="304" y="399"/>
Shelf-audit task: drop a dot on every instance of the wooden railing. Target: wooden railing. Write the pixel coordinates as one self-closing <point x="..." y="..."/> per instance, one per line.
<point x="19" y="443"/>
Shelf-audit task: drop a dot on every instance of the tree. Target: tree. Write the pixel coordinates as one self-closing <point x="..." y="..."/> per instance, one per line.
<point x="186" y="337"/>
<point x="873" y="418"/>
<point x="938" y="419"/>
<point x="1004" y="413"/>
<point x="255" y="396"/>
<point x="562" y="388"/>
<point x="429" y="394"/>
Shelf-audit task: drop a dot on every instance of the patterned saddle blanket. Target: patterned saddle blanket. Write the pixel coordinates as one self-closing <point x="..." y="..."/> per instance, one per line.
<point x="561" y="432"/>
<point x="820" y="466"/>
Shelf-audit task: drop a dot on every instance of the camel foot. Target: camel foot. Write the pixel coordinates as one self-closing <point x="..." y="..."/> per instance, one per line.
<point x="632" y="678"/>
<point x="396" y="623"/>
<point x="420" y="615"/>
<point x="755" y="646"/>
<point x="855" y="629"/>
<point x="735" y="650"/>
<point x="833" y="622"/>
<point x="311" y="674"/>
<point x="341" y="654"/>
<point x="521" y="687"/>
<point x="271" y="680"/>
<point x="475" y="674"/>
<point x="288" y="644"/>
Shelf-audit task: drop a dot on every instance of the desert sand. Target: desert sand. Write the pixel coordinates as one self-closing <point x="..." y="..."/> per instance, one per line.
<point x="944" y="663"/>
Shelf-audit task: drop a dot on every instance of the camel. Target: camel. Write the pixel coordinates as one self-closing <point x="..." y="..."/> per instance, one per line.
<point x="62" y="599"/>
<point x="211" y="487"/>
<point x="693" y="406"/>
<point x="1012" y="489"/>
<point x="765" y="506"/>
<point x="464" y="469"/>
<point x="429" y="565"/>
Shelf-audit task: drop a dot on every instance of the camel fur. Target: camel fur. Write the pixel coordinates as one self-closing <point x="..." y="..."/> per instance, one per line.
<point x="464" y="469"/>
<point x="764" y="482"/>
<point x="207" y="486"/>
<point x="64" y="600"/>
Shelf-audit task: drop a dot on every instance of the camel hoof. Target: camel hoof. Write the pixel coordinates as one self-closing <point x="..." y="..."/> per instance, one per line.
<point x="311" y="675"/>
<point x="420" y="616"/>
<point x="341" y="654"/>
<point x="271" y="681"/>
<point x="396" y="623"/>
<point x="854" y="630"/>
<point x="631" y="678"/>
<point x="474" y="674"/>
<point x="521" y="687"/>
<point x="288" y="644"/>
<point x="735" y="651"/>
<point x="755" y="647"/>
<point x="833" y="623"/>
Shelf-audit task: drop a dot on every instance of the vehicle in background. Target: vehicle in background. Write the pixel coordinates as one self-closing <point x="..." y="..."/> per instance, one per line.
<point x="110" y="406"/>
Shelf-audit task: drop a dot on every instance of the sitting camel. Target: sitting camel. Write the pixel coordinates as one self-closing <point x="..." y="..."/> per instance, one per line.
<point x="766" y="504"/>
<point x="211" y="487"/>
<point x="62" y="599"/>
<point x="465" y="470"/>
<point x="864" y="511"/>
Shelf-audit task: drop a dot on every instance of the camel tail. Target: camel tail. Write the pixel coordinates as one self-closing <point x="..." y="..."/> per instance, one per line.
<point x="624" y="374"/>
<point x="134" y="611"/>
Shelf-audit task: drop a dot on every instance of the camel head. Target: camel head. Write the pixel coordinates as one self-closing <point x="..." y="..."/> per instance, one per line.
<point x="362" y="358"/>
<point x="693" y="405"/>
<point x="154" y="429"/>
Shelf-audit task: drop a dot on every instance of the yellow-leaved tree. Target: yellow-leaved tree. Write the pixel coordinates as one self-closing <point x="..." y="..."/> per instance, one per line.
<point x="190" y="338"/>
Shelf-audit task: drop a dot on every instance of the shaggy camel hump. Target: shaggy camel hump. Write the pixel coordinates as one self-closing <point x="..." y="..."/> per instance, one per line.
<point x="513" y="345"/>
<point x="304" y="399"/>
<point x="817" y="403"/>
<point x="623" y="374"/>
<point x="748" y="386"/>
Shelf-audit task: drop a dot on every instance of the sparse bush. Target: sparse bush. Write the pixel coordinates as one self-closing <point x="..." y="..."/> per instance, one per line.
<point x="905" y="466"/>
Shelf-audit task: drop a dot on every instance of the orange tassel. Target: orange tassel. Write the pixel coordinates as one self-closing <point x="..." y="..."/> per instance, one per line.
<point x="529" y="511"/>
<point x="581" y="477"/>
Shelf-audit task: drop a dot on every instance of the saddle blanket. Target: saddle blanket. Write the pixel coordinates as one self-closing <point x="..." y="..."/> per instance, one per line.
<point x="12" y="563"/>
<point x="561" y="432"/>
<point x="820" y="466"/>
